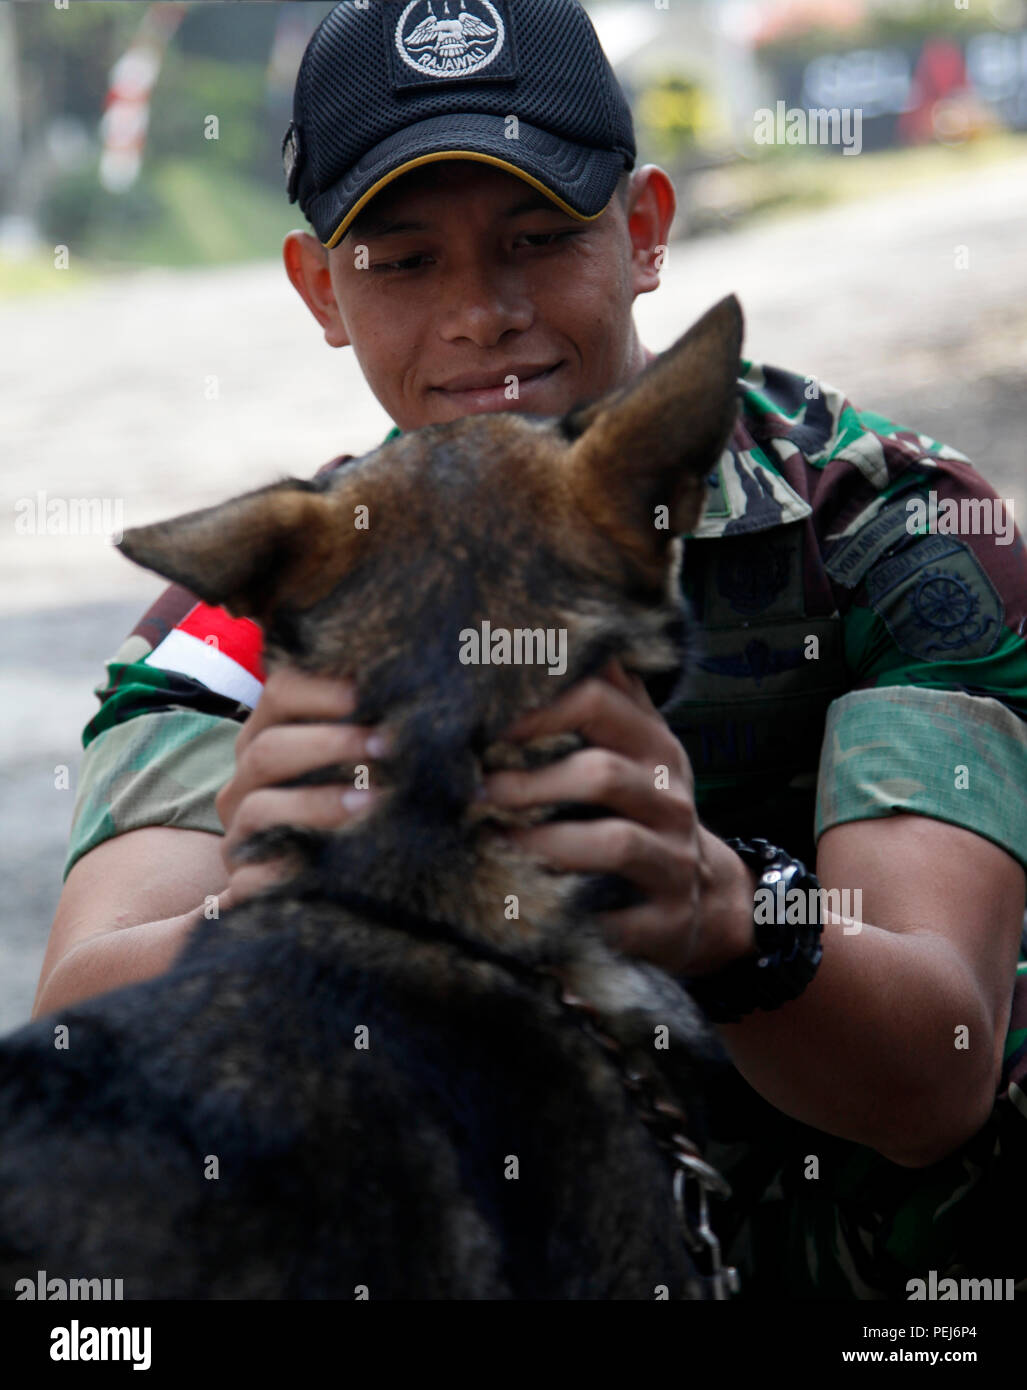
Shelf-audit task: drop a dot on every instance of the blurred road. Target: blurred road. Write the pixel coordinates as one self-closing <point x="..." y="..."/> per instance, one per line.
<point x="173" y="390"/>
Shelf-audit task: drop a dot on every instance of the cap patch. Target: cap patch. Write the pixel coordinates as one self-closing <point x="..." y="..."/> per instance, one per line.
<point x="449" y="40"/>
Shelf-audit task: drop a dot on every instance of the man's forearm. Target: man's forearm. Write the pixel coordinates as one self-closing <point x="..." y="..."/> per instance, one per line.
<point x="111" y="959"/>
<point x="868" y="1050"/>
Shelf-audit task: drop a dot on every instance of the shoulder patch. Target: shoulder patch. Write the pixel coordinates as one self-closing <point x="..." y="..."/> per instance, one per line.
<point x="937" y="601"/>
<point x="848" y="560"/>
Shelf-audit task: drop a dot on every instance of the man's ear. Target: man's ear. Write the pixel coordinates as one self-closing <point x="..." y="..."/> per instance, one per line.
<point x="652" y="443"/>
<point x="308" y="266"/>
<point x="233" y="554"/>
<point x="650" y="214"/>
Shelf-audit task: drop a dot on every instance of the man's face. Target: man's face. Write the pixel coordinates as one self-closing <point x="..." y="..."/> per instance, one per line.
<point x="471" y="277"/>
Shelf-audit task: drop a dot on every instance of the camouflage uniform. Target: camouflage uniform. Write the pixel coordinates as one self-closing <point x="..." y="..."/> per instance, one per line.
<point x="846" y="668"/>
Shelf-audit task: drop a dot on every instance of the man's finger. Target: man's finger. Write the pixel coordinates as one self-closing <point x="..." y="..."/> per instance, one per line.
<point x="283" y="752"/>
<point x="610" y="846"/>
<point x="597" y="777"/>
<point x="292" y="696"/>
<point x="604" y="715"/>
<point x="315" y="808"/>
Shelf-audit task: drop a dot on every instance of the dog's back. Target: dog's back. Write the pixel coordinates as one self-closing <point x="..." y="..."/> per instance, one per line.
<point x="319" y="1108"/>
<point x="364" y="1081"/>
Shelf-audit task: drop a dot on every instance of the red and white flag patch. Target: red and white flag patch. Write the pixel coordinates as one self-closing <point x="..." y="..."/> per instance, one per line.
<point x="221" y="652"/>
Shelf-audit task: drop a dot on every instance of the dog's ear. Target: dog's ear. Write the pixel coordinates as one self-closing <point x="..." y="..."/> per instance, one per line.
<point x="652" y="444"/>
<point x="233" y="554"/>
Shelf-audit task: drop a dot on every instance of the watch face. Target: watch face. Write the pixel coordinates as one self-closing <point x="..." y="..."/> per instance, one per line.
<point x="787" y="919"/>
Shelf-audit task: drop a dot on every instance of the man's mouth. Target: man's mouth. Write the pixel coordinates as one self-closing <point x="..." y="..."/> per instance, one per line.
<point x="496" y="389"/>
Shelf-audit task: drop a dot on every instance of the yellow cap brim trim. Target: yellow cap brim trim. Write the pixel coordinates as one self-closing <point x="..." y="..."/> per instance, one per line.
<point x="362" y="202"/>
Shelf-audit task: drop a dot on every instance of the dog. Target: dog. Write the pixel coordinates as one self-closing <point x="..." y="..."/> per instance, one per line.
<point x="414" y="1070"/>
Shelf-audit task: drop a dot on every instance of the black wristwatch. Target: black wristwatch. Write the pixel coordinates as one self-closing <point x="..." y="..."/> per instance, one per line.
<point x="789" y="951"/>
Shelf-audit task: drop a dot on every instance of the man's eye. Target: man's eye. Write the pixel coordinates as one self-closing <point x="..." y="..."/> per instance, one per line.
<point x="546" y="238"/>
<point x="408" y="263"/>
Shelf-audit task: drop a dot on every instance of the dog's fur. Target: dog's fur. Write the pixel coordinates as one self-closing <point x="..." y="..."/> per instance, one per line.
<point x="474" y="1141"/>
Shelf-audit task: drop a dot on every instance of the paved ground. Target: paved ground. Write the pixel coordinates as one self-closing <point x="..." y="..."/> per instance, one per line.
<point x="109" y="392"/>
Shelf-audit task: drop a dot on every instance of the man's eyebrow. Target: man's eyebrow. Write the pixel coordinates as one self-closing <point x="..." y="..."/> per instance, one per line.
<point x="370" y="226"/>
<point x="383" y="226"/>
<point x="538" y="203"/>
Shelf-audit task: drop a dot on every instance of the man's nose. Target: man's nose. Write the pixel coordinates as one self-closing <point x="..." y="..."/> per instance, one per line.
<point x="481" y="304"/>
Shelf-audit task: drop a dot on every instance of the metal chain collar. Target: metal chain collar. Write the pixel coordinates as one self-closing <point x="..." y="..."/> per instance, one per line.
<point x="667" y="1122"/>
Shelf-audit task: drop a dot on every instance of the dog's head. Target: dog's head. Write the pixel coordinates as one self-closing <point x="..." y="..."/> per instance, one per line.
<point x="468" y="572"/>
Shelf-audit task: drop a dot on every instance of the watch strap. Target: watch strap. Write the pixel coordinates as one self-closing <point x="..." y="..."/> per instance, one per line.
<point x="789" y="952"/>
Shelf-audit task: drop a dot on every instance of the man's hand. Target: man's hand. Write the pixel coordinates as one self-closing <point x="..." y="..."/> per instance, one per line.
<point x="294" y="729"/>
<point x="697" y="913"/>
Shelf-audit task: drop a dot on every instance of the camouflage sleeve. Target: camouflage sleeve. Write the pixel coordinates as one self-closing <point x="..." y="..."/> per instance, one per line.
<point x="155" y="769"/>
<point x="956" y="757"/>
<point x="932" y="585"/>
<point x="161" y="745"/>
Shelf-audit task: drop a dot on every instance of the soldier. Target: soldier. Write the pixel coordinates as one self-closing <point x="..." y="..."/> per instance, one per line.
<point x="858" y="704"/>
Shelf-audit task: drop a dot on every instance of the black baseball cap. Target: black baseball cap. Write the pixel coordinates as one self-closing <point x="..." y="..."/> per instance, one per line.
<point x="386" y="86"/>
